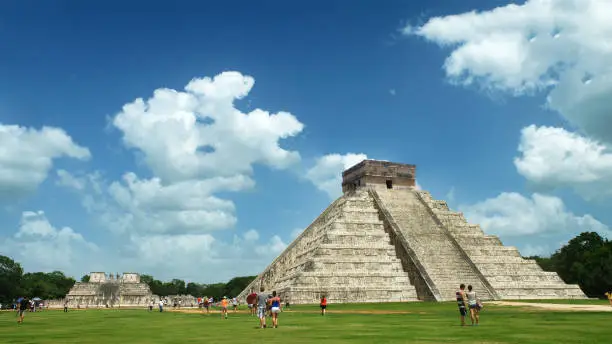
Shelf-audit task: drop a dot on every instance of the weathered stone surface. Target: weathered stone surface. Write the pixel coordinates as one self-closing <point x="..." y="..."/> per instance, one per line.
<point x="384" y="241"/>
<point x="104" y="290"/>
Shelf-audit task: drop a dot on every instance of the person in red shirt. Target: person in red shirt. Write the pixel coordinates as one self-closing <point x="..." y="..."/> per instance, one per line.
<point x="323" y="304"/>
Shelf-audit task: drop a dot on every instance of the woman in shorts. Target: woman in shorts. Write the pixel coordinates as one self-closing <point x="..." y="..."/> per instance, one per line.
<point x="275" y="309"/>
<point x="474" y="305"/>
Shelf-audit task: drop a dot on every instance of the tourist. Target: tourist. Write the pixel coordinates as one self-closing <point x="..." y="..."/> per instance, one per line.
<point x="461" y="302"/>
<point x="224" y="307"/>
<point x="609" y="295"/>
<point x="269" y="306"/>
<point x="151" y="306"/>
<point x="161" y="305"/>
<point x="24" y="304"/>
<point x="207" y="304"/>
<point x="323" y="305"/>
<point x="235" y="304"/>
<point x="276" y="302"/>
<point x="251" y="301"/>
<point x="66" y="306"/>
<point x="261" y="307"/>
<point x="474" y="304"/>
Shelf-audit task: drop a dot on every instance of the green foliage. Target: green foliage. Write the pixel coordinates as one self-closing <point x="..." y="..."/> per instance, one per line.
<point x="10" y="279"/>
<point x="53" y="285"/>
<point x="216" y="290"/>
<point x="585" y="260"/>
<point x="85" y="278"/>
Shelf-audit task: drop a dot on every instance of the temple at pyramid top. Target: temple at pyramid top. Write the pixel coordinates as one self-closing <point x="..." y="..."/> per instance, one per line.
<point x="379" y="173"/>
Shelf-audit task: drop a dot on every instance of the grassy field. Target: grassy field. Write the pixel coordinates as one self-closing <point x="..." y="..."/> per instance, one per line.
<point x="570" y="301"/>
<point x="388" y="323"/>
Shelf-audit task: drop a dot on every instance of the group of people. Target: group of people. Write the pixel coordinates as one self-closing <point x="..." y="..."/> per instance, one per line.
<point x="269" y="305"/>
<point x="468" y="301"/>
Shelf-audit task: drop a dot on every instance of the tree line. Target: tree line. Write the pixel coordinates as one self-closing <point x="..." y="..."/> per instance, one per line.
<point x="55" y="285"/>
<point x="586" y="260"/>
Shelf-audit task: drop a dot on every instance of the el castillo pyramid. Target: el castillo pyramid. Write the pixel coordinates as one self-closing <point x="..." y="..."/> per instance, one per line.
<point x="386" y="241"/>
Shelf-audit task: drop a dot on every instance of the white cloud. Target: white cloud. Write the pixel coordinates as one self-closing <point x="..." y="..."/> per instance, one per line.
<point x="197" y="145"/>
<point x="27" y="154"/>
<point x="38" y="245"/>
<point x="173" y="130"/>
<point x="184" y="206"/>
<point x="392" y="92"/>
<point x="553" y="157"/>
<point x="563" y="46"/>
<point x="450" y="195"/>
<point x="513" y="215"/>
<point x="178" y="256"/>
<point x="198" y="133"/>
<point x="417" y="186"/>
<point x="535" y="250"/>
<point x="65" y="178"/>
<point x="326" y="174"/>
<point x="296" y="232"/>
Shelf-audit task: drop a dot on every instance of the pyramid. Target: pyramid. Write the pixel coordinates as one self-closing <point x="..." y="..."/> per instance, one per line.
<point x="385" y="241"/>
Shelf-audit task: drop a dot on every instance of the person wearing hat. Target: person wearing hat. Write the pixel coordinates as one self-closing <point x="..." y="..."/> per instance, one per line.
<point x="224" y="307"/>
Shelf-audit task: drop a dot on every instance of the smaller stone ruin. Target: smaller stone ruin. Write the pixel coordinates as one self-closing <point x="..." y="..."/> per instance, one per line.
<point x="109" y="291"/>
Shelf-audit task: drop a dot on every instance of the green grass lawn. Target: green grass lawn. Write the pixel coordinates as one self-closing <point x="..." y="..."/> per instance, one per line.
<point x="602" y="302"/>
<point x="427" y="323"/>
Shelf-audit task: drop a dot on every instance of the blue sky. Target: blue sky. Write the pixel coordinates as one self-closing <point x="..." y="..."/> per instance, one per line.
<point x="478" y="101"/>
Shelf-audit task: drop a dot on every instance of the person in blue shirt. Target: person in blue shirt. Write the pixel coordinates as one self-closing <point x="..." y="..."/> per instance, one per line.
<point x="276" y="302"/>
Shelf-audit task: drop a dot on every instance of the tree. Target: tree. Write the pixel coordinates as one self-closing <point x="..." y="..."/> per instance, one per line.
<point x="85" y="278"/>
<point x="11" y="273"/>
<point x="586" y="260"/>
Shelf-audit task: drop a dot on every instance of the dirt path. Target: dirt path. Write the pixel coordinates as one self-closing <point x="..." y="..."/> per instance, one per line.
<point x="556" y="306"/>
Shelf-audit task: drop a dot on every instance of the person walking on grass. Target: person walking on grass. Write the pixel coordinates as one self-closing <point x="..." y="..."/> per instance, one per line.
<point x="235" y="304"/>
<point x="23" y="307"/>
<point x="224" y="307"/>
<point x="276" y="304"/>
<point x="262" y="299"/>
<point x="323" y="305"/>
<point x="474" y="304"/>
<point x="609" y="296"/>
<point x="207" y="304"/>
<point x="461" y="302"/>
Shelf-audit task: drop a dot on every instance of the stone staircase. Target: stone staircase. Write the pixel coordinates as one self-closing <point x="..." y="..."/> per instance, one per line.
<point x="345" y="254"/>
<point x="512" y="276"/>
<point x="440" y="257"/>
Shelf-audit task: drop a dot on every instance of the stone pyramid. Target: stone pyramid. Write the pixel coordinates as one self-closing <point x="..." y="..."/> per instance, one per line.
<point x="385" y="241"/>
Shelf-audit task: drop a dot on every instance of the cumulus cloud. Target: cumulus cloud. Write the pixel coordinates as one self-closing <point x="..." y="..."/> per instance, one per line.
<point x="177" y="256"/>
<point x="197" y="145"/>
<point x="27" y="154"/>
<point x="326" y="174"/>
<point x="38" y="245"/>
<point x="199" y="133"/>
<point x="512" y="215"/>
<point x="67" y="179"/>
<point x="553" y="157"/>
<point x="561" y="46"/>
